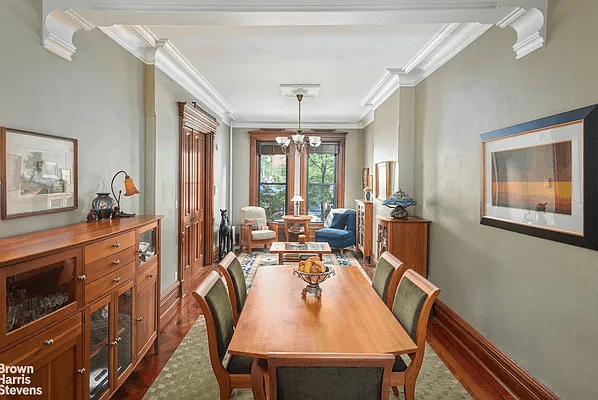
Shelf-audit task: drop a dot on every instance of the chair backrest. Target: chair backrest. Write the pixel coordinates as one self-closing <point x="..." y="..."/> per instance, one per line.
<point x="218" y="313"/>
<point x="235" y="280"/>
<point x="252" y="212"/>
<point x="387" y="275"/>
<point x="412" y="305"/>
<point x="300" y="376"/>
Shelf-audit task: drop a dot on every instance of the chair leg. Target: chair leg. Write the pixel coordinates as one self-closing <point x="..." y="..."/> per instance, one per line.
<point x="395" y="391"/>
<point x="225" y="391"/>
<point x="249" y="248"/>
<point x="409" y="390"/>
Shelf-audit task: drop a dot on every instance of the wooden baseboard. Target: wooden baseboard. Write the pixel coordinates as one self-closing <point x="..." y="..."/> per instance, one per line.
<point x="170" y="303"/>
<point x="518" y="380"/>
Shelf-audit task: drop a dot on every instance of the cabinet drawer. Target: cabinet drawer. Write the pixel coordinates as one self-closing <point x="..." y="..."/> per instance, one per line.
<point x="45" y="343"/>
<point x="107" y="247"/>
<point x="147" y="276"/>
<point x="109" y="264"/>
<point x="104" y="284"/>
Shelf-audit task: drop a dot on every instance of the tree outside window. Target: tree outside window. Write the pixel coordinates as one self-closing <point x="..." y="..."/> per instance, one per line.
<point x="321" y="185"/>
<point x="272" y="195"/>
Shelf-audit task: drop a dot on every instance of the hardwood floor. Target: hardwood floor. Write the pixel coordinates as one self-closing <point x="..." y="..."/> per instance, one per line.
<point x="466" y="369"/>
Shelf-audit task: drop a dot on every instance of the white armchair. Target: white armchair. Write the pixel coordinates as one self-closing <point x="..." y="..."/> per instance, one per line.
<point x="255" y="230"/>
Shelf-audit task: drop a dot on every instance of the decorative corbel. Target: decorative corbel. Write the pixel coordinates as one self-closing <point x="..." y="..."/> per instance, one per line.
<point x="59" y="31"/>
<point x="528" y="24"/>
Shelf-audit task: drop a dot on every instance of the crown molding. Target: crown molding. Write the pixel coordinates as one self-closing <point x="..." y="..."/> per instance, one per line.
<point x="304" y="125"/>
<point x="147" y="47"/>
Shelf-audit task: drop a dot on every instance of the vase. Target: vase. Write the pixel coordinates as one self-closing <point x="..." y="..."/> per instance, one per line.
<point x="103" y="205"/>
<point x="368" y="196"/>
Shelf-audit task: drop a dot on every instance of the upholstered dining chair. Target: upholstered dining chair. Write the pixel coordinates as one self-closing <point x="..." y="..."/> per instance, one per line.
<point x="387" y="275"/>
<point x="235" y="280"/>
<point x="412" y="305"/>
<point x="255" y="229"/>
<point x="218" y="313"/>
<point x="300" y="376"/>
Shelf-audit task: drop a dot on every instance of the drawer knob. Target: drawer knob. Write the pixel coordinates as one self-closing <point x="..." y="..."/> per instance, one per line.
<point x="139" y="319"/>
<point x="49" y="342"/>
<point x="117" y="280"/>
<point x="116" y="244"/>
<point x="151" y="275"/>
<point x="81" y="371"/>
<point x="116" y="262"/>
<point x="81" y="277"/>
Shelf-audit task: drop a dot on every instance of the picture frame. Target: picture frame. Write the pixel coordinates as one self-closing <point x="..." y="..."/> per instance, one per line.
<point x="383" y="184"/>
<point x="38" y="173"/>
<point x="539" y="178"/>
<point x="365" y="174"/>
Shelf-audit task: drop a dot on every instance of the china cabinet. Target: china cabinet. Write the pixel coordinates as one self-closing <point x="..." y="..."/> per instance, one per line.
<point x="365" y="225"/>
<point x="80" y="304"/>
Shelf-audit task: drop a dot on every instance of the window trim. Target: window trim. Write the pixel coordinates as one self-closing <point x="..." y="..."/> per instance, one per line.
<point x="269" y="135"/>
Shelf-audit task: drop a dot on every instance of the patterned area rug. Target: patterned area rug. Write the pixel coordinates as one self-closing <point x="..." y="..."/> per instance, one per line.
<point x="188" y="374"/>
<point x="251" y="262"/>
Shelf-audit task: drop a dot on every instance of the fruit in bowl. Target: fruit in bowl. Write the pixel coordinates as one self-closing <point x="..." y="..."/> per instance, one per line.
<point x="312" y="265"/>
<point x="313" y="272"/>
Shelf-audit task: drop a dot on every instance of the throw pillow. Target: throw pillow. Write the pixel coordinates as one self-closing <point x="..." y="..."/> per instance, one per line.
<point x="339" y="221"/>
<point x="351" y="220"/>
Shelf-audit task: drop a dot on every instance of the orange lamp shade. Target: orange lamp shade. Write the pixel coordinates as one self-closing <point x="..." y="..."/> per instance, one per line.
<point x="130" y="188"/>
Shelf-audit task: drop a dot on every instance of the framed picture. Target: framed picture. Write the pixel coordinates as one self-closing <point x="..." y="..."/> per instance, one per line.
<point x="539" y="178"/>
<point x="383" y="189"/>
<point x="365" y="174"/>
<point x="38" y="173"/>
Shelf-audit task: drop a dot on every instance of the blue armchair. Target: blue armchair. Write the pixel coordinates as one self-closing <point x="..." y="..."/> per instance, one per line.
<point x="338" y="233"/>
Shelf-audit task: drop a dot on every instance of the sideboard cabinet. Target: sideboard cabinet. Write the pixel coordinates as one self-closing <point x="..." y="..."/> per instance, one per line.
<point x="79" y="304"/>
<point x="406" y="239"/>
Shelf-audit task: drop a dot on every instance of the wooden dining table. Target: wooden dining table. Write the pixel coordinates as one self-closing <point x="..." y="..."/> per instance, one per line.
<point x="349" y="318"/>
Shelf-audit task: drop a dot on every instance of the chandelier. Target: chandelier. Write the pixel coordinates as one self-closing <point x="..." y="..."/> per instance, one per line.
<point x="300" y="141"/>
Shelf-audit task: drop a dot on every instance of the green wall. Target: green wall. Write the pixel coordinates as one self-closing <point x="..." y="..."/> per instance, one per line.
<point x="536" y="299"/>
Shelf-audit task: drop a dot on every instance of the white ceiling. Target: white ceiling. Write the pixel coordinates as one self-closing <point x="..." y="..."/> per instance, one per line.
<point x="247" y="64"/>
<point x="233" y="55"/>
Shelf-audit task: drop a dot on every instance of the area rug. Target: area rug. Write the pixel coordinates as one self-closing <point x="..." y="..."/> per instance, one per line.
<point x="188" y="373"/>
<point x="261" y="258"/>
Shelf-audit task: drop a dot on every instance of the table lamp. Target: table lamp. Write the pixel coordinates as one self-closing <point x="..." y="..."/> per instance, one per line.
<point x="297" y="199"/>
<point x="399" y="201"/>
<point x="130" y="190"/>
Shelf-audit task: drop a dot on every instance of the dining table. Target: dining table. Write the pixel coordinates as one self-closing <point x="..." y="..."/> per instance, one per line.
<point x="349" y="318"/>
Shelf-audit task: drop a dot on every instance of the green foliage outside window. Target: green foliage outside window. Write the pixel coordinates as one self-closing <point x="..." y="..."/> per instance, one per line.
<point x="273" y="185"/>
<point x="321" y="184"/>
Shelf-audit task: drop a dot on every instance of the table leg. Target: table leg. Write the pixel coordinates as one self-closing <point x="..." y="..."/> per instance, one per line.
<point x="320" y="255"/>
<point x="280" y="258"/>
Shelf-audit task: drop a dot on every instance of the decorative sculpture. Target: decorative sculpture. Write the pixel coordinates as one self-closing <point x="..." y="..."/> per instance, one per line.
<point x="225" y="235"/>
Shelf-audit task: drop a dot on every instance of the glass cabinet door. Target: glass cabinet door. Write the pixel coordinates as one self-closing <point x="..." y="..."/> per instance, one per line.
<point x="124" y="336"/>
<point x="31" y="294"/>
<point x="99" y="345"/>
<point x="147" y="245"/>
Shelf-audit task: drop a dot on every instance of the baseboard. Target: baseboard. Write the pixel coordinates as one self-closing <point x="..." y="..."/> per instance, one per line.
<point x="518" y="380"/>
<point x="170" y="303"/>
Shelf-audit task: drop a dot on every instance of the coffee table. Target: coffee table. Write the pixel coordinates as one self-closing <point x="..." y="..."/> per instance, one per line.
<point x="283" y="248"/>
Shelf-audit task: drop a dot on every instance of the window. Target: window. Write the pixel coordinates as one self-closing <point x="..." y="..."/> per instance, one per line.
<point x="272" y="191"/>
<point x="321" y="174"/>
<point x="321" y="181"/>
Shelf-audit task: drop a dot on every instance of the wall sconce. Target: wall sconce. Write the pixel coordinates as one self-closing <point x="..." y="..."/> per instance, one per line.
<point x="130" y="190"/>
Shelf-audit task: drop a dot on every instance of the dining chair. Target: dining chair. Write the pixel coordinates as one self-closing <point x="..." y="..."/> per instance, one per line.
<point x="218" y="313"/>
<point x="235" y="280"/>
<point x="412" y="305"/>
<point x="387" y="275"/>
<point x="300" y="376"/>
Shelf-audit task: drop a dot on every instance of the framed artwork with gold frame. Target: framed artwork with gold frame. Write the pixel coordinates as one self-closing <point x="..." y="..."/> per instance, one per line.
<point x="383" y="185"/>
